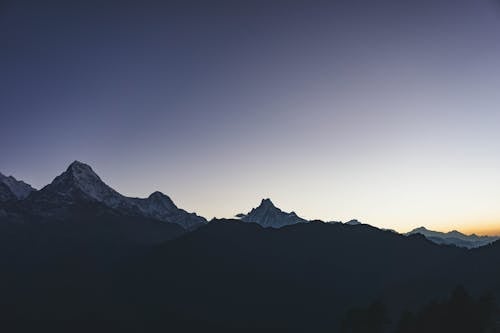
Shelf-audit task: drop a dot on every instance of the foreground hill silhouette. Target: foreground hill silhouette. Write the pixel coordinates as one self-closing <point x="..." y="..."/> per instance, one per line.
<point x="78" y="250"/>
<point x="301" y="276"/>
<point x="237" y="275"/>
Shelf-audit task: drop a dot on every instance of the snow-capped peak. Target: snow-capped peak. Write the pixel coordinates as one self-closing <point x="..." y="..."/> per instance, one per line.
<point x="85" y="176"/>
<point x="267" y="203"/>
<point x="79" y="168"/>
<point x="268" y="215"/>
<point x="162" y="199"/>
<point x="80" y="182"/>
<point x="353" y="222"/>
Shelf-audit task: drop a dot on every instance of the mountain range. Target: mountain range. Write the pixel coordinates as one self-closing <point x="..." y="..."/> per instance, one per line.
<point x="80" y="185"/>
<point x="231" y="275"/>
<point x="454" y="238"/>
<point x="78" y="250"/>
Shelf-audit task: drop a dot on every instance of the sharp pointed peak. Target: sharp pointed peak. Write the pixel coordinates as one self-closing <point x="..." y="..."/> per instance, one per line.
<point x="158" y="195"/>
<point x="78" y="169"/>
<point x="78" y="165"/>
<point x="267" y="203"/>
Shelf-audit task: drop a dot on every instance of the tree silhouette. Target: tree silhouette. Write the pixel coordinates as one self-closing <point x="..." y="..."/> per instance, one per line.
<point x="372" y="319"/>
<point x="461" y="313"/>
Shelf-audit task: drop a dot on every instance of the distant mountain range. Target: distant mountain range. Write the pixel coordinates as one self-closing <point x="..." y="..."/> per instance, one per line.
<point x="79" y="250"/>
<point x="79" y="185"/>
<point x="454" y="238"/>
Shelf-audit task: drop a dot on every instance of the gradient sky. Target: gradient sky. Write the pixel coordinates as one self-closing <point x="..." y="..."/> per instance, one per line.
<point x="385" y="111"/>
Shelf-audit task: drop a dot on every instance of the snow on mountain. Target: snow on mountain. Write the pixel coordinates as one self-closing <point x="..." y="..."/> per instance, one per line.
<point x="13" y="189"/>
<point x="268" y="215"/>
<point x="80" y="183"/>
<point x="353" y="222"/>
<point x="454" y="238"/>
<point x="161" y="207"/>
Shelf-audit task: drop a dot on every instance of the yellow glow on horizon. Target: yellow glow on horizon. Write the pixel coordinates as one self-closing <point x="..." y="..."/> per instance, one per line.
<point x="486" y="229"/>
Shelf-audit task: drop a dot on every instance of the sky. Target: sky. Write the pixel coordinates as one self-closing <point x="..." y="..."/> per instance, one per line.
<point x="385" y="111"/>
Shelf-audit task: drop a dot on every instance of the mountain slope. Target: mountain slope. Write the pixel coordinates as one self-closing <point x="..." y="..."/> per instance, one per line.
<point x="5" y="193"/>
<point x="240" y="276"/>
<point x="299" y="277"/>
<point x="13" y="189"/>
<point x="79" y="183"/>
<point x="268" y="215"/>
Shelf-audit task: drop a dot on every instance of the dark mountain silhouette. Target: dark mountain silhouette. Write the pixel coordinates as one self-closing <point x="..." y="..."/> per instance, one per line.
<point x="460" y="313"/>
<point x="268" y="215"/>
<point x="299" y="277"/>
<point x="231" y="275"/>
<point x="64" y="241"/>
<point x="79" y="250"/>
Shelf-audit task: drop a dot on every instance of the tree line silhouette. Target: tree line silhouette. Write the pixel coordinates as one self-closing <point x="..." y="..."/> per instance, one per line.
<point x="460" y="313"/>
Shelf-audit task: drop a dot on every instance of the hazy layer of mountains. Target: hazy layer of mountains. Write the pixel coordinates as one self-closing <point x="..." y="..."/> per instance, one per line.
<point x="454" y="238"/>
<point x="79" y="184"/>
<point x="78" y="250"/>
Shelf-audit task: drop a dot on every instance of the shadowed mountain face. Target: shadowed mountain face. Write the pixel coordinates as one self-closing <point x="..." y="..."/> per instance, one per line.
<point x="454" y="238"/>
<point x="5" y="193"/>
<point x="13" y="189"/>
<point x="268" y="215"/>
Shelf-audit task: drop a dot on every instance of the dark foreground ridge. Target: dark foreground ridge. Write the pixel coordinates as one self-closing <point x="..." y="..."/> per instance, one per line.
<point x="233" y="275"/>
<point x="79" y="251"/>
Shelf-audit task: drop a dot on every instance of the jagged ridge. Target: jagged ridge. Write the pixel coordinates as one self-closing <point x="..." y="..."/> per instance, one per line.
<point x="80" y="183"/>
